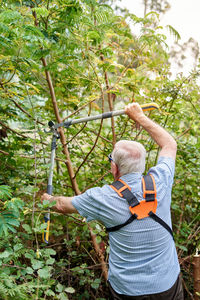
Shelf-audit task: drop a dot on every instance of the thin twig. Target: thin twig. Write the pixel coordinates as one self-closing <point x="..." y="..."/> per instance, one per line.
<point x="90" y="267"/>
<point x="76" y="134"/>
<point x="5" y="153"/>
<point x="80" y="108"/>
<point x="13" y="266"/>
<point x="14" y="131"/>
<point x="24" y="111"/>
<point x="89" y="254"/>
<point x="85" y="159"/>
<point x="103" y="138"/>
<point x="95" y="182"/>
<point x="187" y="290"/>
<point x="183" y="133"/>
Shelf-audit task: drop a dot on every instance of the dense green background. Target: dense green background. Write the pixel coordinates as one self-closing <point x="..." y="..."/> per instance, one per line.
<point x="78" y="58"/>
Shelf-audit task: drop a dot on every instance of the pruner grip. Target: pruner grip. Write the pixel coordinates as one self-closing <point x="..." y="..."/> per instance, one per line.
<point x="45" y="235"/>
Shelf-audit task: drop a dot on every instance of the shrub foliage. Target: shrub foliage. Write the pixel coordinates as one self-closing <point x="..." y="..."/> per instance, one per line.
<point x="69" y="59"/>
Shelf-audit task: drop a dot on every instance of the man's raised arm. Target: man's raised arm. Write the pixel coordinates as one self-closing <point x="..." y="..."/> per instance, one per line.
<point x="166" y="142"/>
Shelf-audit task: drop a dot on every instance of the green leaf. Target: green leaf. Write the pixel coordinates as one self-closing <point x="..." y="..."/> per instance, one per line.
<point x="174" y="32"/>
<point x="41" y="11"/>
<point x="5" y="192"/>
<point x="46" y="203"/>
<point x="29" y="270"/>
<point x="10" y="16"/>
<point x="51" y="204"/>
<point x="48" y="252"/>
<point x="182" y="248"/>
<point x="37" y="264"/>
<point x="59" y="288"/>
<point x="7" y="221"/>
<point x="95" y="283"/>
<point x="29" y="255"/>
<point x="27" y="228"/>
<point x="70" y="290"/>
<point x="50" y="261"/>
<point x="63" y="296"/>
<point x="6" y="254"/>
<point x="18" y="247"/>
<point x="98" y="239"/>
<point x="32" y="30"/>
<point x="49" y="293"/>
<point x="45" y="272"/>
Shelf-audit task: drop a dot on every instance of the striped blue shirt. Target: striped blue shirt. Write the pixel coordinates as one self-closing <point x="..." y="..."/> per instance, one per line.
<point x="143" y="258"/>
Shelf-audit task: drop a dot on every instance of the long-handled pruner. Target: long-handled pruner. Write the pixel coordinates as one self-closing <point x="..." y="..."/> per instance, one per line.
<point x="67" y="124"/>
<point x="55" y="136"/>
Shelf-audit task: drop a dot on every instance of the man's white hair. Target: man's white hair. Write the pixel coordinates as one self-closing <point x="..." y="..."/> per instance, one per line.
<point x="129" y="156"/>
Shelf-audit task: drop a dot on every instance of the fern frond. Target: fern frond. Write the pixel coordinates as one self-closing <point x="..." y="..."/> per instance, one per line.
<point x="3" y="291"/>
<point x="103" y="14"/>
<point x="5" y="192"/>
<point x="7" y="221"/>
<point x="4" y="29"/>
<point x="10" y="16"/>
<point x="174" y="32"/>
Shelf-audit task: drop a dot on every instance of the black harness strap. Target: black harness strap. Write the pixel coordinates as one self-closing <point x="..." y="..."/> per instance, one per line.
<point x="117" y="227"/>
<point x="149" y="188"/>
<point x="126" y="193"/>
<point x="131" y="199"/>
<point x="161" y="222"/>
<point x="117" y="184"/>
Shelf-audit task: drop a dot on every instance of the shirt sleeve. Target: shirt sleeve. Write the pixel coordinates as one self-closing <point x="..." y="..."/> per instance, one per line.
<point x="87" y="204"/>
<point x="163" y="172"/>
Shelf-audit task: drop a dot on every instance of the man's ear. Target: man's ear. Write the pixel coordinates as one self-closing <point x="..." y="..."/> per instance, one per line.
<point x="115" y="171"/>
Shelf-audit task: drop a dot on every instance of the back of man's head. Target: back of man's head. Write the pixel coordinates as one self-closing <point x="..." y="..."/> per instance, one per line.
<point x="129" y="156"/>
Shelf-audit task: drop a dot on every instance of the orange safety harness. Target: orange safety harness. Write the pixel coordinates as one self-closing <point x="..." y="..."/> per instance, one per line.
<point x="143" y="209"/>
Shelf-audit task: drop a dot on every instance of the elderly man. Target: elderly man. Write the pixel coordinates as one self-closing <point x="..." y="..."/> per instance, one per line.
<point x="143" y="262"/>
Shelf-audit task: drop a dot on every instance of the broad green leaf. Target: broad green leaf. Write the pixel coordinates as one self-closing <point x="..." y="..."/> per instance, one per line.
<point x="70" y="290"/>
<point x="29" y="270"/>
<point x="27" y="228"/>
<point x="37" y="264"/>
<point x="45" y="272"/>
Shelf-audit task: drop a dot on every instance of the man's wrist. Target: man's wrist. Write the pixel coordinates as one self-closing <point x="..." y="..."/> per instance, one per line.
<point x="141" y="119"/>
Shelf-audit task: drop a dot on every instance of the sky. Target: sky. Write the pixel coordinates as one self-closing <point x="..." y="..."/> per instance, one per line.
<point x="183" y="16"/>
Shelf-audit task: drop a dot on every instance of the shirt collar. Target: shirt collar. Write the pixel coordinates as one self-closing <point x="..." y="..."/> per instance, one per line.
<point x="131" y="176"/>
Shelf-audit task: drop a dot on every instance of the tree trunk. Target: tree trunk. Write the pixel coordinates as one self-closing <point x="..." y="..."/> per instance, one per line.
<point x="62" y="135"/>
<point x="196" y="273"/>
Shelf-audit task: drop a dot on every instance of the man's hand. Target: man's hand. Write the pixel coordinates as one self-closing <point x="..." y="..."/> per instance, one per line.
<point x="134" y="111"/>
<point x="63" y="204"/>
<point x="159" y="135"/>
<point x="46" y="196"/>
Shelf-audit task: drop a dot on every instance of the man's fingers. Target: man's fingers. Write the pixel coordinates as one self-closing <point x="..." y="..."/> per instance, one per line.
<point x="46" y="196"/>
<point x="135" y="107"/>
<point x="134" y="111"/>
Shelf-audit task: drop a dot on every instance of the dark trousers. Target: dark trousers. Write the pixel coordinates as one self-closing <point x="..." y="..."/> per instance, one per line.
<point x="174" y="293"/>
